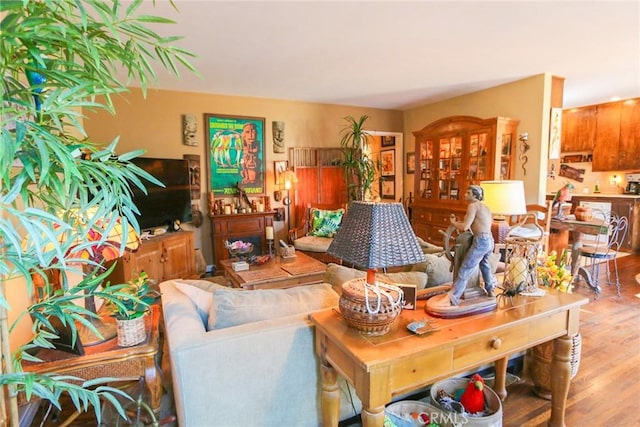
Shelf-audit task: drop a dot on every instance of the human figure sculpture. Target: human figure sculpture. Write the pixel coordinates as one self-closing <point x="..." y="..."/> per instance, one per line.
<point x="478" y="220"/>
<point x="250" y="153"/>
<point x="278" y="137"/>
<point x="190" y="127"/>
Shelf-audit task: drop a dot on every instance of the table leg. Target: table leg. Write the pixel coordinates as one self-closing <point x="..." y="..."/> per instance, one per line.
<point x="560" y="379"/>
<point x="154" y="382"/>
<point x="330" y="396"/>
<point x="499" y="385"/>
<point x="373" y="417"/>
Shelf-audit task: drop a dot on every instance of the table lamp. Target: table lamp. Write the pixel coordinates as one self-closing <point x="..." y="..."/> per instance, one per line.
<point x="288" y="181"/>
<point x="371" y="236"/>
<point x="504" y="198"/>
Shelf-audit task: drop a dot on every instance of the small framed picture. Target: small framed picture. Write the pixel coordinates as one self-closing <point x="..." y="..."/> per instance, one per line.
<point x="388" y="162"/>
<point x="388" y="187"/>
<point x="279" y="166"/>
<point x="411" y="163"/>
<point x="388" y="141"/>
<point x="410" y="296"/>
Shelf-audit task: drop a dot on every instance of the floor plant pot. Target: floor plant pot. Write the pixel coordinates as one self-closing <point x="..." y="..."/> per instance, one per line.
<point x="540" y="365"/>
<point x="131" y="332"/>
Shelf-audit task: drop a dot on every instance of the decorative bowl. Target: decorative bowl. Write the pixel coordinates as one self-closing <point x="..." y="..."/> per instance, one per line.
<point x="239" y="249"/>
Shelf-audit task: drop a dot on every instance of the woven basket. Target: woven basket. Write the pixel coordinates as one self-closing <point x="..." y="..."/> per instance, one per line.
<point x="540" y="365"/>
<point x="370" y="309"/>
<point x="130" y="332"/>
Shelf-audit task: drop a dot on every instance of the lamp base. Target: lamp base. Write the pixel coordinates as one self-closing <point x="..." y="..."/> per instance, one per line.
<point x="107" y="329"/>
<point x="370" y="309"/>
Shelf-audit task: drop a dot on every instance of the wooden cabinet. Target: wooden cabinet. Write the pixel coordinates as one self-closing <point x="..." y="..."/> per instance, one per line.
<point x="169" y="256"/>
<point x="248" y="227"/>
<point x="611" y="130"/>
<point x="453" y="153"/>
<point x="320" y="177"/>
<point x="578" y="129"/>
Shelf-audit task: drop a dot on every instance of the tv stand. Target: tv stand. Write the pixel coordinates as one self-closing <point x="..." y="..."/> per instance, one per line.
<point x="162" y="257"/>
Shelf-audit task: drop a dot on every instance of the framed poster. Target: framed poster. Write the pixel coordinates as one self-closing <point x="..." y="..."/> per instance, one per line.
<point x="236" y="157"/>
<point x="388" y="162"/>
<point x="411" y="163"/>
<point x="388" y="141"/>
<point x="388" y="188"/>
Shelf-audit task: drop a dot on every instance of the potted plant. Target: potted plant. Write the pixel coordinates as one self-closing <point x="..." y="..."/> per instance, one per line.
<point x="359" y="168"/>
<point x="128" y="303"/>
<point x="554" y="274"/>
<point x="55" y="183"/>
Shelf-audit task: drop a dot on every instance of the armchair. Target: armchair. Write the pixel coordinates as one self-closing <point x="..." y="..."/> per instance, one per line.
<point x="314" y="241"/>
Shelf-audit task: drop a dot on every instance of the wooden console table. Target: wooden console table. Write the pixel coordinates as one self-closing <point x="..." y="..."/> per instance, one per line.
<point x="383" y="367"/>
<point x="107" y="359"/>
<point x="303" y="270"/>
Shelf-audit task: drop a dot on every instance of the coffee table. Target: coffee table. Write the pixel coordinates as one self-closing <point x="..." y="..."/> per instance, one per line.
<point x="277" y="273"/>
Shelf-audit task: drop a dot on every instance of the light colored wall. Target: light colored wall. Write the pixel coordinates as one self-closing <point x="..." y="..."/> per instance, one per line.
<point x="155" y="124"/>
<point x="527" y="100"/>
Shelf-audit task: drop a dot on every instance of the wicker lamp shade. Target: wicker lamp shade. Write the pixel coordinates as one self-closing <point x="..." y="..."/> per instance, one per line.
<point x="372" y="236"/>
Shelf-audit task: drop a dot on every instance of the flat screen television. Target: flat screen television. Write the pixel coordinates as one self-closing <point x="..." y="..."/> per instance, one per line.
<point x="162" y="206"/>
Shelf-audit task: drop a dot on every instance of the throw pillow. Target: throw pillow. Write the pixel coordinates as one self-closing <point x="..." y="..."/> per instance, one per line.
<point x="325" y="223"/>
<point x="437" y="268"/>
<point x="200" y="292"/>
<point x="336" y="275"/>
<point x="236" y="308"/>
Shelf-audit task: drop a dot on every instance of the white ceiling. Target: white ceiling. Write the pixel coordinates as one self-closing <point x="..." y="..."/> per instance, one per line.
<point x="400" y="54"/>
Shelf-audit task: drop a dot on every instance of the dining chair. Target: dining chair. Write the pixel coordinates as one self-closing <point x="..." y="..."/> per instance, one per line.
<point x="604" y="248"/>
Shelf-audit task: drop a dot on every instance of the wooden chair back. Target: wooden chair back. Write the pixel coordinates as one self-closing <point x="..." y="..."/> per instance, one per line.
<point x="542" y="215"/>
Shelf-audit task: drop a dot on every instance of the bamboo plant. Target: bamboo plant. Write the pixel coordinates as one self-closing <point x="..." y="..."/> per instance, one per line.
<point x="60" y="57"/>
<point x="359" y="168"/>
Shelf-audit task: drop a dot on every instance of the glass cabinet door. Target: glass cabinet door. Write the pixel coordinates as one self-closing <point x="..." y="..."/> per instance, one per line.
<point x="426" y="162"/>
<point x="478" y="158"/>
<point x="449" y="168"/>
<point x="505" y="157"/>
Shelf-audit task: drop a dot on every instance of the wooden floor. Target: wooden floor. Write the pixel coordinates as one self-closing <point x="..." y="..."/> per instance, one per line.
<point x="607" y="386"/>
<point x="606" y="389"/>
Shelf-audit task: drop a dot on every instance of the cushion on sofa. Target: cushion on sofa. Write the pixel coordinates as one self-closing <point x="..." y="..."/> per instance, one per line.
<point x="325" y="222"/>
<point x="238" y="307"/>
<point x="312" y="243"/>
<point x="429" y="248"/>
<point x="201" y="294"/>
<point x="439" y="271"/>
<point x="336" y="275"/>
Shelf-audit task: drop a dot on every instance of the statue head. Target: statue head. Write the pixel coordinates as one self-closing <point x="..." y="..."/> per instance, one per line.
<point x="477" y="192"/>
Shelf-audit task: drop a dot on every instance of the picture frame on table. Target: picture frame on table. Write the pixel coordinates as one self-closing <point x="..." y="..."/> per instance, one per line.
<point x="411" y="163"/>
<point x="388" y="162"/>
<point x="388" y="187"/>
<point x="235" y="154"/>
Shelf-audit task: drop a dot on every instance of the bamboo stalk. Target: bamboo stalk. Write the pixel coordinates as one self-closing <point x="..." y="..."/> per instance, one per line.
<point x="6" y="365"/>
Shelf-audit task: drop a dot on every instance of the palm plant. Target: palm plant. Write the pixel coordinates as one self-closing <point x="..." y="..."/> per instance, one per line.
<point x="359" y="168"/>
<point x="58" y="58"/>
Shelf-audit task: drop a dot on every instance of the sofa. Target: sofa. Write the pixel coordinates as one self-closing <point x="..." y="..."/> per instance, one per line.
<point x="243" y="358"/>
<point x="254" y="364"/>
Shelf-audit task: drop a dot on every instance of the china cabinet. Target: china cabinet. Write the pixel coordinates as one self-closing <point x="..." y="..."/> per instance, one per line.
<point x="453" y="153"/>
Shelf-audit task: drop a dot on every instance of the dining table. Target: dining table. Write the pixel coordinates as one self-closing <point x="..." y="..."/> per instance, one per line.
<point x="578" y="229"/>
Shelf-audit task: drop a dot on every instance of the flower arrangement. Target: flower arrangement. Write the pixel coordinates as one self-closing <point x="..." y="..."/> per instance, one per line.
<point x="556" y="276"/>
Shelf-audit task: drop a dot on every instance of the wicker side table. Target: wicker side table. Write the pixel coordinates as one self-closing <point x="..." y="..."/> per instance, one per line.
<point x="107" y="359"/>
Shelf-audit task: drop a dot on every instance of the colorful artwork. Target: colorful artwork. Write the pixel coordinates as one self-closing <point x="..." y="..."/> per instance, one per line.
<point x="236" y="154"/>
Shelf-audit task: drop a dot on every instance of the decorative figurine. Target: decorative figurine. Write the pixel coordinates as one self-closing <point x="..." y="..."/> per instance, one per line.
<point x="472" y="249"/>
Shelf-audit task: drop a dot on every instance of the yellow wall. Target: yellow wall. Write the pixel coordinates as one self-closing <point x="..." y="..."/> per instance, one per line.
<point x="155" y="124"/>
<point x="527" y="100"/>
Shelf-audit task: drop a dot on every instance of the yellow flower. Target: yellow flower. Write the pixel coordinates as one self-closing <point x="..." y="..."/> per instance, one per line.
<point x="556" y="276"/>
